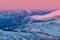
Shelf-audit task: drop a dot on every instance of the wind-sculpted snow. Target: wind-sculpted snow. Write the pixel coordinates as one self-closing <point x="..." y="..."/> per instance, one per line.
<point x="18" y="26"/>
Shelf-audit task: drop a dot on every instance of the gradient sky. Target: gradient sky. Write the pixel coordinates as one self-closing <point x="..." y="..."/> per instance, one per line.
<point x="29" y="4"/>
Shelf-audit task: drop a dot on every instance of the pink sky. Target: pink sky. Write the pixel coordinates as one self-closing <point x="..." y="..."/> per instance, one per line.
<point x="29" y="4"/>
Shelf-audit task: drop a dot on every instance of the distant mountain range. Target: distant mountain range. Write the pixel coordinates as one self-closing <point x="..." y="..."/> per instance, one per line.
<point x="7" y="14"/>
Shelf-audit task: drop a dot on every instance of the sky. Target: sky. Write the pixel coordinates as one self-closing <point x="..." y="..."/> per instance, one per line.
<point x="29" y="4"/>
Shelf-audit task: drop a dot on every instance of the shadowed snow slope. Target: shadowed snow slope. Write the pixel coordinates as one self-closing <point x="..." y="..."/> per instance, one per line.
<point x="23" y="25"/>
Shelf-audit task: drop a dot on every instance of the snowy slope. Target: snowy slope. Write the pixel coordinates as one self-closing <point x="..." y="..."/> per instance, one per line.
<point x="18" y="26"/>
